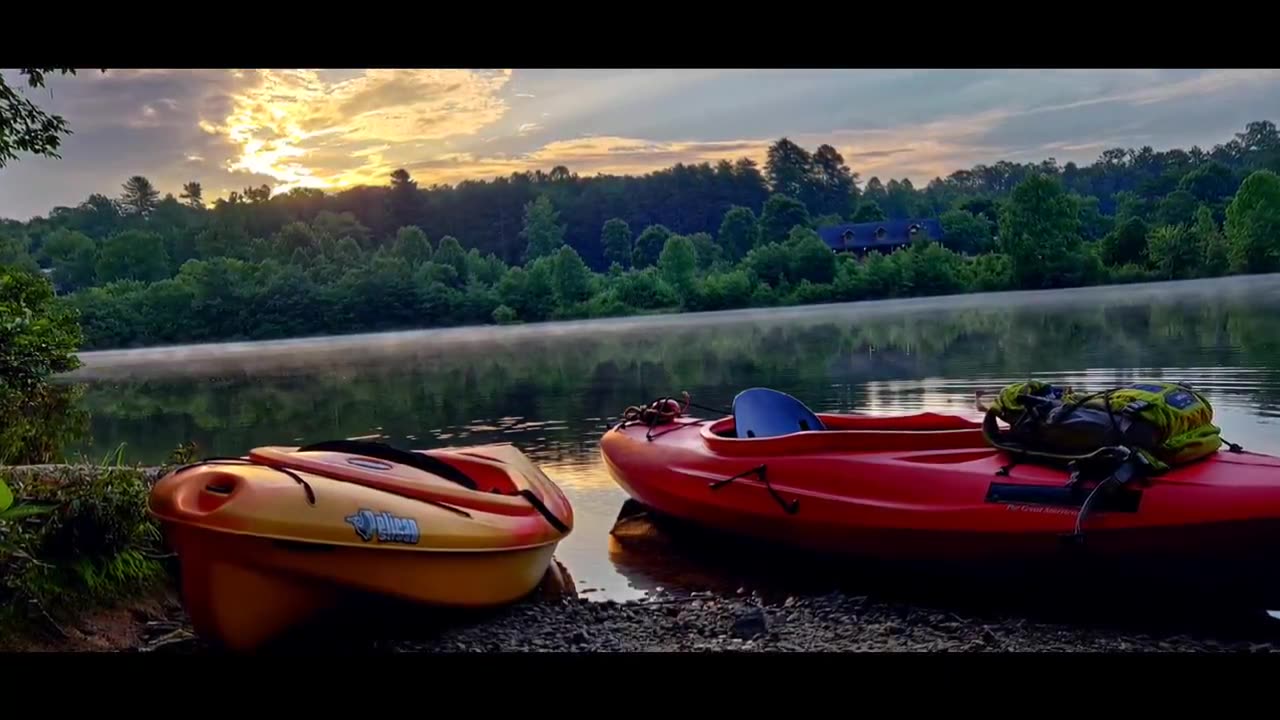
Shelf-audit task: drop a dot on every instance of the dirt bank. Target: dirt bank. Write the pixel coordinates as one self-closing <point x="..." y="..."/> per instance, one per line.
<point x="145" y="623"/>
<point x="82" y="566"/>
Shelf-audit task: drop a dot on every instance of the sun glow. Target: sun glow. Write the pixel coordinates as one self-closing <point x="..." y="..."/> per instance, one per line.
<point x="327" y="129"/>
<point x="303" y="131"/>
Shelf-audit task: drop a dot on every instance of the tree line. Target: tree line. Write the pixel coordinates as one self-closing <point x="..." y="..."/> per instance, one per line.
<point x="142" y="269"/>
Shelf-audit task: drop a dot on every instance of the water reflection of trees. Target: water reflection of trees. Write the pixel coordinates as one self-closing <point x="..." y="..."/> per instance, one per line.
<point x="826" y="359"/>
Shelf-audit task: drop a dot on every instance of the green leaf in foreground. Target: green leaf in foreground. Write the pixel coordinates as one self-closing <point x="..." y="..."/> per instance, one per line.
<point x="6" y="497"/>
<point x="25" y="510"/>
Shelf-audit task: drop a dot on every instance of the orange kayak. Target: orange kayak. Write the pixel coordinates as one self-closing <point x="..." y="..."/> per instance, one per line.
<point x="267" y="541"/>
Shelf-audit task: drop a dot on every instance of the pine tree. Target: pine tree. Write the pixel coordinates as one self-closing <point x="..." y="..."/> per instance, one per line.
<point x="542" y="229"/>
<point x="140" y="197"/>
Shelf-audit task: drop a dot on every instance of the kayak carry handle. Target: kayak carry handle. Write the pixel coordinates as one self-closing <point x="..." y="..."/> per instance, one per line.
<point x="226" y="460"/>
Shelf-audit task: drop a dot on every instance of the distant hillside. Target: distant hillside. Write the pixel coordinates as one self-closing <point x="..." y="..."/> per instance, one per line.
<point x="142" y="269"/>
<point x="686" y="199"/>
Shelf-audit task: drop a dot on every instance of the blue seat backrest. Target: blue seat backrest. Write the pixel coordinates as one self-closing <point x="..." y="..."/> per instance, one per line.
<point x="761" y="412"/>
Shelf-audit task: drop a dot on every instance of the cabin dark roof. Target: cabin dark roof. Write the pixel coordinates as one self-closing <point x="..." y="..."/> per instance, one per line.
<point x="881" y="234"/>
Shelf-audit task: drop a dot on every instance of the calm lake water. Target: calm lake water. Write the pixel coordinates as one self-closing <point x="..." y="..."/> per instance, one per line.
<point x="552" y="390"/>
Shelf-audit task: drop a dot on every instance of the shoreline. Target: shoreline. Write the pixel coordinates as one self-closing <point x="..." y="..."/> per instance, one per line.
<point x="700" y="622"/>
<point x="830" y="622"/>
<point x="555" y="618"/>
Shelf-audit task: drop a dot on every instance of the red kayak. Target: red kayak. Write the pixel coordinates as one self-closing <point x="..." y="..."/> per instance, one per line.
<point x="928" y="487"/>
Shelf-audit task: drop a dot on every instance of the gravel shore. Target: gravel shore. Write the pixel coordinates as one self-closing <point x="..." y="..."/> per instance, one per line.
<point x="556" y="619"/>
<point x="832" y="622"/>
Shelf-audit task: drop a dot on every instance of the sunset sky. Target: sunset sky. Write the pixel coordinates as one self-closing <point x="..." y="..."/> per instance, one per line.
<point x="230" y="129"/>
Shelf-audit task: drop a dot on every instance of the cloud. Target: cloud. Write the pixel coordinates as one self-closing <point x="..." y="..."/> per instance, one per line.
<point x="587" y="155"/>
<point x="1206" y="83"/>
<point x="289" y="119"/>
<point x="230" y="129"/>
<point x="127" y="122"/>
<point x="920" y="151"/>
<point x="876" y="154"/>
<point x="1159" y="108"/>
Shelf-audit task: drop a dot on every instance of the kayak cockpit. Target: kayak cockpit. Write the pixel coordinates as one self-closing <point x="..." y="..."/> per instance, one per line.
<point x="853" y="433"/>
<point x="766" y="421"/>
<point x="923" y="422"/>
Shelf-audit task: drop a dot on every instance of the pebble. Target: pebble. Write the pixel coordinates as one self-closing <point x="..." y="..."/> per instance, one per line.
<point x="750" y="623"/>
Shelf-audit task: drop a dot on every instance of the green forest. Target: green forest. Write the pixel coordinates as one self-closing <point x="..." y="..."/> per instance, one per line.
<point x="140" y="269"/>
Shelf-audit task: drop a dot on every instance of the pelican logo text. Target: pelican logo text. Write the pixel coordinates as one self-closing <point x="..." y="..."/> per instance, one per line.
<point x="384" y="527"/>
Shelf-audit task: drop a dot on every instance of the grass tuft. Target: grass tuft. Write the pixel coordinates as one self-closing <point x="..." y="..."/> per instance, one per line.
<point x="76" y="537"/>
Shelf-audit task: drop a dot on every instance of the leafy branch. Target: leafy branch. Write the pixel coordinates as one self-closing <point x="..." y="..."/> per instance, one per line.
<point x="24" y="126"/>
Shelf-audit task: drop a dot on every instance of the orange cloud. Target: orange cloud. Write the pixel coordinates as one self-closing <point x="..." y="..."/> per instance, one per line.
<point x="921" y="152"/>
<point x="289" y="119"/>
<point x="304" y="130"/>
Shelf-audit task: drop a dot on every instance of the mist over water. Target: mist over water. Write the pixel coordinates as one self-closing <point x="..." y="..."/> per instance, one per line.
<point x="553" y="389"/>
